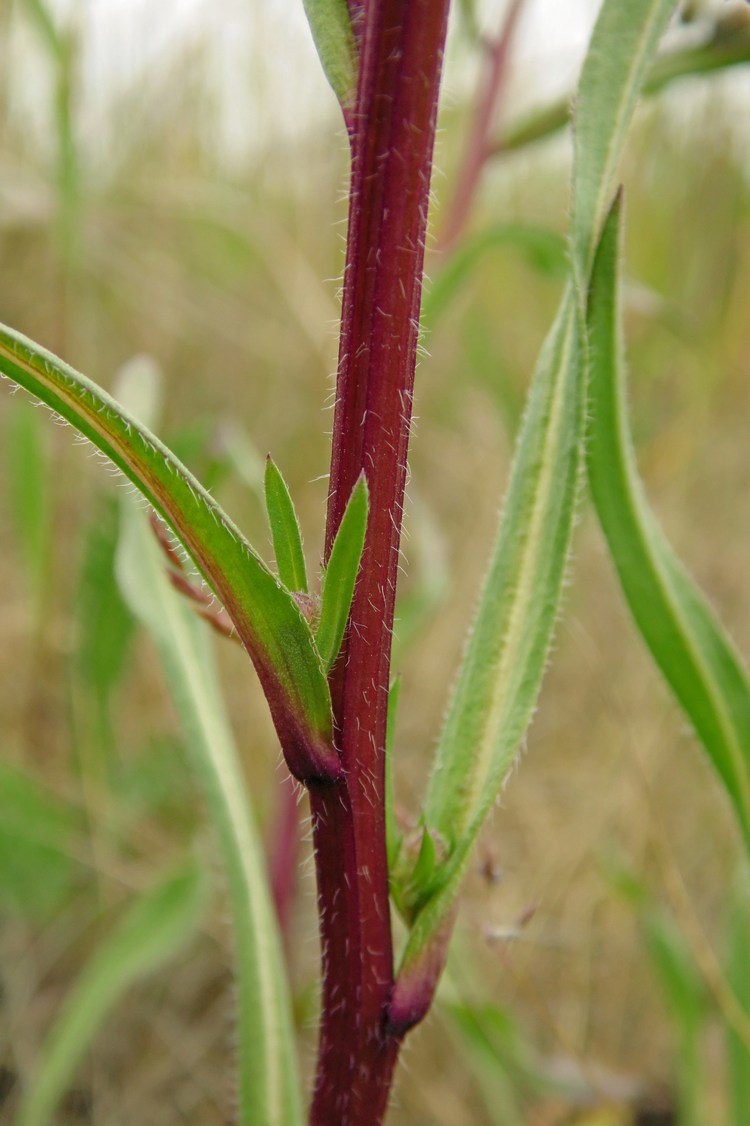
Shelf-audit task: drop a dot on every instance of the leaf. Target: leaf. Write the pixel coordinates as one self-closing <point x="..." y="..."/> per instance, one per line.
<point x="267" y="619"/>
<point x="502" y="668"/>
<point x="738" y="979"/>
<point x="331" y="28"/>
<point x="105" y="623"/>
<point x="685" y="994"/>
<point x="623" y="45"/>
<point x="504" y="660"/>
<point x="688" y="644"/>
<point x="544" y="249"/>
<point x="495" y="1052"/>
<point x="152" y="929"/>
<point x="392" y="835"/>
<point x="37" y="838"/>
<point x="27" y="452"/>
<point x="285" y="530"/>
<point x="268" y="1088"/>
<point x="340" y="575"/>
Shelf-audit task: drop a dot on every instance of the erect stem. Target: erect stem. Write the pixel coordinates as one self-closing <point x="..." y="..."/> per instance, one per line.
<point x="493" y="85"/>
<point x="392" y="134"/>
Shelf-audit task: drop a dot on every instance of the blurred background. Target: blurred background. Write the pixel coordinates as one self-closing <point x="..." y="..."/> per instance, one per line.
<point x="173" y="182"/>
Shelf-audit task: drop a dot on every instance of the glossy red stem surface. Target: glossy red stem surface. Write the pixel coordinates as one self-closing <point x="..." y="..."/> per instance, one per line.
<point x="392" y="133"/>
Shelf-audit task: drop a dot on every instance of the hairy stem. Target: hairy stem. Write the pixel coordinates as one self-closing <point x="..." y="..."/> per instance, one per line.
<point x="392" y="135"/>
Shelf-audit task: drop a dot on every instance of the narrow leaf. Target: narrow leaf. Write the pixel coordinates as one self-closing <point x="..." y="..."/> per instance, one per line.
<point x="685" y="995"/>
<point x="544" y="249"/>
<point x="392" y="838"/>
<point x="105" y="624"/>
<point x="331" y="28"/>
<point x="506" y="652"/>
<point x="688" y="644"/>
<point x="738" y="979"/>
<point x="504" y="661"/>
<point x="27" y="453"/>
<point x="623" y="45"/>
<point x="285" y="530"/>
<point x="268" y="1088"/>
<point x="153" y="928"/>
<point x="38" y="835"/>
<point x="267" y="619"/>
<point x="340" y="575"/>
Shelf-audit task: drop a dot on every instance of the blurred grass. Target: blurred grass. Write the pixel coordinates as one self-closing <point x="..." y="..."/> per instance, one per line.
<point x="218" y="268"/>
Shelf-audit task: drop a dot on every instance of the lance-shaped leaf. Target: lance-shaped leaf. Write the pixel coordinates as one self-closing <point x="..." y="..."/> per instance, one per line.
<point x="268" y="1086"/>
<point x="331" y="27"/>
<point x="622" y="48"/>
<point x="392" y="835"/>
<point x="340" y="575"/>
<point x="686" y="640"/>
<point x="623" y="44"/>
<point x="504" y="660"/>
<point x="285" y="530"/>
<point x="152" y="929"/>
<point x="506" y="653"/>
<point x="738" y="980"/>
<point x="266" y="617"/>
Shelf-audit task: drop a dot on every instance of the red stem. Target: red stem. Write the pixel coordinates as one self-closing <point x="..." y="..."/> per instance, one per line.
<point x="392" y="136"/>
<point x="283" y="854"/>
<point x="479" y="145"/>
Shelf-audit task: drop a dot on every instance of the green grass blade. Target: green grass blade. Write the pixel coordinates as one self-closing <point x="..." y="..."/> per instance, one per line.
<point x="105" y="625"/>
<point x="544" y="249"/>
<point x="266" y="617"/>
<point x="152" y="929"/>
<point x="268" y="1088"/>
<point x="685" y="995"/>
<point x="623" y="45"/>
<point x="331" y="28"/>
<point x="340" y="575"/>
<point x="285" y="530"/>
<point x="688" y="644"/>
<point x="39" y="832"/>
<point x="738" y="979"/>
<point x="28" y="464"/>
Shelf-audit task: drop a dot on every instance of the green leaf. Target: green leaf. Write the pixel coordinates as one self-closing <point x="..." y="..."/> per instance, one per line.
<point x="505" y="657"/>
<point x="332" y="32"/>
<point x="688" y="644"/>
<point x="544" y="249"/>
<point x="506" y="653"/>
<point x="27" y="454"/>
<point x="622" y="47"/>
<point x="268" y="621"/>
<point x="392" y="836"/>
<point x="152" y="929"/>
<point x="285" y="530"/>
<point x="268" y="1087"/>
<point x="340" y="575"/>
<point x="738" y="979"/>
<point x="105" y="623"/>
<point x="495" y="1052"/>
<point x="685" y="995"/>
<point x="38" y="831"/>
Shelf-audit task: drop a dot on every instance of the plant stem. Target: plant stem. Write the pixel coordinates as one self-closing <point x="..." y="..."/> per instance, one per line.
<point x="392" y="134"/>
<point x="493" y="86"/>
